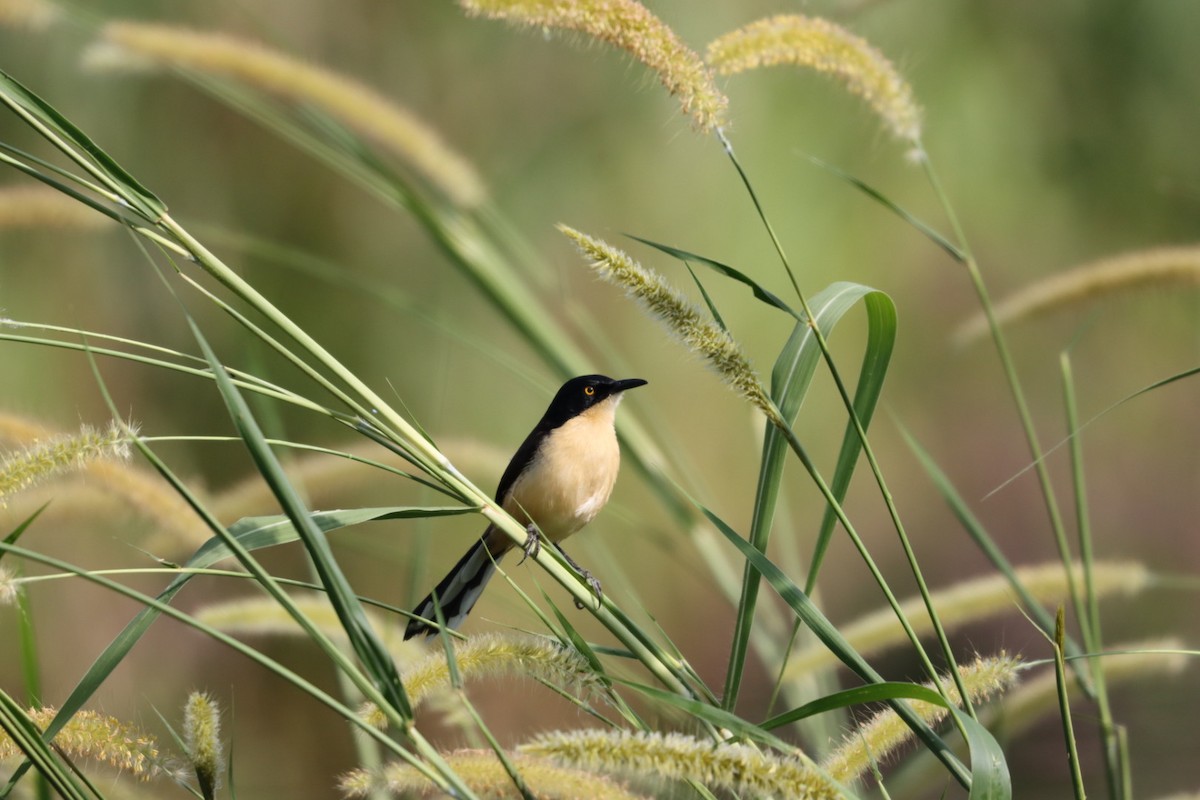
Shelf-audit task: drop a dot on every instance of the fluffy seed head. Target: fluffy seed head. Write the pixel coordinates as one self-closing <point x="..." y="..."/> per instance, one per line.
<point x="486" y="776"/>
<point x="693" y="328"/>
<point x="1164" y="267"/>
<point x="202" y="735"/>
<point x="41" y="461"/>
<point x="93" y="736"/>
<point x="675" y="756"/>
<point x="821" y="45"/>
<point x="629" y="26"/>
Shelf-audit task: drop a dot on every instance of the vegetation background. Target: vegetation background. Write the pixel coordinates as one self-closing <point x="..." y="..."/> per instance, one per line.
<point x="1064" y="132"/>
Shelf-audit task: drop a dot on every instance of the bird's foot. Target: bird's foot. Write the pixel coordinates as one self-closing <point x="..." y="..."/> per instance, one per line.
<point x="533" y="544"/>
<point x="588" y="578"/>
<point x="592" y="581"/>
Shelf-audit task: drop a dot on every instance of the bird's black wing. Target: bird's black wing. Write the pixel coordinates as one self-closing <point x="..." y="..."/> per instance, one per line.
<point x="520" y="461"/>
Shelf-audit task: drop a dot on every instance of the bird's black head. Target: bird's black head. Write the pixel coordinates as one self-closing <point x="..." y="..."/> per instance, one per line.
<point x="579" y="394"/>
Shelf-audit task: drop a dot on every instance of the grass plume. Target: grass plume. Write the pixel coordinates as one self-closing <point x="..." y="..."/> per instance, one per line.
<point x="42" y="461"/>
<point x="133" y="45"/>
<point x="675" y="756"/>
<point x="886" y="731"/>
<point x="1163" y="266"/>
<point x="967" y="602"/>
<point x="96" y="737"/>
<point x="694" y="329"/>
<point x="629" y="26"/>
<point x="821" y="45"/>
<point x="202" y="735"/>
<point x="485" y="775"/>
<point x="495" y="654"/>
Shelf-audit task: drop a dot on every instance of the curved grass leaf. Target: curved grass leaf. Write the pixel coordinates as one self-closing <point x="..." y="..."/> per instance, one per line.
<point x="790" y="379"/>
<point x="881" y="340"/>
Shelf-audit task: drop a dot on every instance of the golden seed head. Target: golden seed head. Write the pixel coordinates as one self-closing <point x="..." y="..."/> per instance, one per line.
<point x="100" y="738"/>
<point x="202" y="735"/>
<point x="41" y="461"/>
<point x="482" y="771"/>
<point x="694" y="329"/>
<point x="675" y="756"/>
<point x="8" y="586"/>
<point x="629" y="26"/>
<point x="31" y="14"/>
<point x="821" y="45"/>
<point x="1161" y="267"/>
<point x="44" y="207"/>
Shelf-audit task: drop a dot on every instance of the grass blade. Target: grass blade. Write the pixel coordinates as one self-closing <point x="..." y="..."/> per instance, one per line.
<point x="724" y="269"/>
<point x="790" y="379"/>
<point x="92" y="158"/>
<point x="363" y="639"/>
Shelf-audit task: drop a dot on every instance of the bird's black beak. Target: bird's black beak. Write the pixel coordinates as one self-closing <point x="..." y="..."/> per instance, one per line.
<point x="628" y="383"/>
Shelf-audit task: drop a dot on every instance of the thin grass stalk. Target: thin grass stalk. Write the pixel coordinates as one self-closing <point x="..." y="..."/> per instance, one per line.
<point x="507" y="763"/>
<point x="1093" y="640"/>
<point x="1064" y="708"/>
<point x="1014" y="382"/>
<point x="246" y="384"/>
<point x="947" y="651"/>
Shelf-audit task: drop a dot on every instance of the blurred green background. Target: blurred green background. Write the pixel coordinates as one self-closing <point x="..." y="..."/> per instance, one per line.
<point x="1063" y="132"/>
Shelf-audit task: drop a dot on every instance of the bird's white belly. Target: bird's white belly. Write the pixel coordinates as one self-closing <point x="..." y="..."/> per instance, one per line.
<point x="567" y="484"/>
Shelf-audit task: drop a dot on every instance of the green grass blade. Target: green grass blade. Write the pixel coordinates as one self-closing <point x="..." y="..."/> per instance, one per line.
<point x="1064" y="706"/>
<point x="1089" y="624"/>
<point x="27" y="644"/>
<point x="363" y="639"/>
<point x="724" y="269"/>
<point x="989" y="770"/>
<point x="870" y="191"/>
<point x="90" y="156"/>
<point x="1159" y="384"/>
<point x="881" y="341"/>
<point x="16" y="533"/>
<point x="790" y="379"/>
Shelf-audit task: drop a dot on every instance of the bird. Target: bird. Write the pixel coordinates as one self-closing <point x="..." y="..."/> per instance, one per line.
<point x="557" y="482"/>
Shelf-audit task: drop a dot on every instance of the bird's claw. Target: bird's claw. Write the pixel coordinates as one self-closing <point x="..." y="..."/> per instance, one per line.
<point x="594" y="583"/>
<point x="533" y="545"/>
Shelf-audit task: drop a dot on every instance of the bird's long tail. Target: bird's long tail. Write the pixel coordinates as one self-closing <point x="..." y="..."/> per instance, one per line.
<point x="458" y="591"/>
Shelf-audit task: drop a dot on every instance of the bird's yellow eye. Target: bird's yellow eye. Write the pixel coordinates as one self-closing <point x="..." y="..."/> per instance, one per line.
<point x="589" y="390"/>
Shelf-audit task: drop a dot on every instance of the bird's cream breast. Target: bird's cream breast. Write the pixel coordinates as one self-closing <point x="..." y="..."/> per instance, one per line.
<point x="572" y="474"/>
